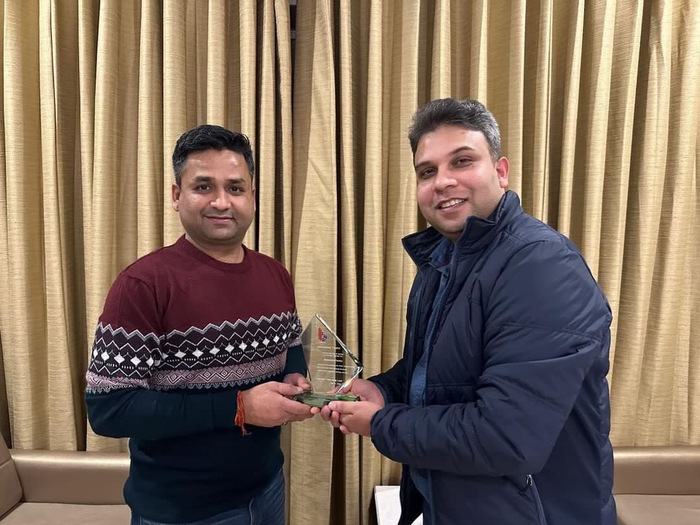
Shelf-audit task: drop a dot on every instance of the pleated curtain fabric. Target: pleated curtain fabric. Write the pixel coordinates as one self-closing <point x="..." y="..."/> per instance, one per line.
<point x="598" y="104"/>
<point x="95" y="95"/>
<point x="41" y="315"/>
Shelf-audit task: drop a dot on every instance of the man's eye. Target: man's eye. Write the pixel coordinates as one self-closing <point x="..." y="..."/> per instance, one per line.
<point x="201" y="187"/>
<point x="424" y="174"/>
<point x="236" y="189"/>
<point x="461" y="161"/>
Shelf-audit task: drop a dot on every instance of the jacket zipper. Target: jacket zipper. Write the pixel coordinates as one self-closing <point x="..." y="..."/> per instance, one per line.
<point x="412" y="337"/>
<point x="414" y="317"/>
<point x="441" y="306"/>
<point x="538" y="502"/>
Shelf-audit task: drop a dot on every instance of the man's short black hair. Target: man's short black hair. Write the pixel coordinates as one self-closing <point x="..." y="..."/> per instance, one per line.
<point x="208" y="136"/>
<point x="467" y="114"/>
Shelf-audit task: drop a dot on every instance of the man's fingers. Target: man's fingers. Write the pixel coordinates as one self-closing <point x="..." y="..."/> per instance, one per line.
<point x="335" y="419"/>
<point x="295" y="408"/>
<point x="288" y="390"/>
<point x="342" y="407"/>
<point x="291" y="417"/>
<point x="326" y="413"/>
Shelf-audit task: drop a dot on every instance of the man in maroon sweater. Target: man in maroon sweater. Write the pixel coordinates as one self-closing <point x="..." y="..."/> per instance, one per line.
<point x="197" y="353"/>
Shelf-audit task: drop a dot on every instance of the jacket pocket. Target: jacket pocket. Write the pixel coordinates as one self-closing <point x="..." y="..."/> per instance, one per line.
<point x="528" y="489"/>
<point x="538" y="502"/>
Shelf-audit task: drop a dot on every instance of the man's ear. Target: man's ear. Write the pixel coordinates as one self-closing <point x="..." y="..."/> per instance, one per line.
<point x="176" y="197"/>
<point x="502" y="168"/>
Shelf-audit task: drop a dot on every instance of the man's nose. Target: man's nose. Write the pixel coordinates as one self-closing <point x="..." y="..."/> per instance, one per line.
<point x="443" y="179"/>
<point x="221" y="201"/>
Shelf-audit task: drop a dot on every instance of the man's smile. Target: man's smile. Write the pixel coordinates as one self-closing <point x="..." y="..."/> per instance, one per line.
<point x="451" y="203"/>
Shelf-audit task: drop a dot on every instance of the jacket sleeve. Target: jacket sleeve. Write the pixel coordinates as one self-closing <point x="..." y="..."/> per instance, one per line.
<point x="392" y="383"/>
<point x="127" y="348"/>
<point x="545" y="323"/>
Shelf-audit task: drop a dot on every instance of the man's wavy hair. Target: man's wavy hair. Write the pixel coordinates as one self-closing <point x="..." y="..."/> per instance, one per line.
<point x="206" y="137"/>
<point x="467" y="114"/>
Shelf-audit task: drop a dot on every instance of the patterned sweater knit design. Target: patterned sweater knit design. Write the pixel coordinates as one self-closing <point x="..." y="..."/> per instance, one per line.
<point x="181" y="333"/>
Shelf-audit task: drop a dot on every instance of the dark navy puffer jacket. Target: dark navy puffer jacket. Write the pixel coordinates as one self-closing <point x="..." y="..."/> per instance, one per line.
<point x="516" y="418"/>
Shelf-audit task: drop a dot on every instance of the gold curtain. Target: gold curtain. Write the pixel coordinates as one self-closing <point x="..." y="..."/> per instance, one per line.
<point x="95" y="93"/>
<point x="598" y="104"/>
<point x="42" y="320"/>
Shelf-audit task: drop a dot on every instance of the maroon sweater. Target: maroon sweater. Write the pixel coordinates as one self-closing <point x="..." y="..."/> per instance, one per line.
<point x="181" y="333"/>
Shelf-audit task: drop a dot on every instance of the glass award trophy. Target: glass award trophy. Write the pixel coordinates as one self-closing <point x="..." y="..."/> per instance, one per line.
<point x="332" y="366"/>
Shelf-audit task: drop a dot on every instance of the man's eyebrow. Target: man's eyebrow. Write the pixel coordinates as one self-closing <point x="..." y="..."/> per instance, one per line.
<point x="205" y="178"/>
<point x="453" y="152"/>
<point x="462" y="148"/>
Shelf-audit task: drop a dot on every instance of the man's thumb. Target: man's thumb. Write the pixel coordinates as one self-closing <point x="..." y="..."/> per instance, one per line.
<point x="288" y="390"/>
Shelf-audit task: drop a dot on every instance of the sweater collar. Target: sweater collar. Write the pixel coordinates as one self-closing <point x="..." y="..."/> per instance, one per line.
<point x="192" y="251"/>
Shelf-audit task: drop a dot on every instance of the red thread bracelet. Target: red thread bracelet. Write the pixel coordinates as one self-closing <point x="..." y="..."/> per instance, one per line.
<point x="240" y="414"/>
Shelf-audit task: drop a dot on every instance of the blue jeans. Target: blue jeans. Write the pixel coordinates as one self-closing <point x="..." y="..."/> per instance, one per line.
<point x="265" y="509"/>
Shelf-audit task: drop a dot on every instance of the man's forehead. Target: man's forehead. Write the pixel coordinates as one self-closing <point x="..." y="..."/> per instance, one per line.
<point x="206" y="155"/>
<point x="206" y="161"/>
<point x="452" y="133"/>
<point x="448" y="140"/>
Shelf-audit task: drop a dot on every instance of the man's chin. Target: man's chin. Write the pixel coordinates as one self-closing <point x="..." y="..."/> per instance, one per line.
<point x="225" y="239"/>
<point x="219" y="238"/>
<point x="452" y="232"/>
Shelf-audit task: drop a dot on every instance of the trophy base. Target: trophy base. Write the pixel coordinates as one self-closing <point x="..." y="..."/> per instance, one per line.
<point x="321" y="400"/>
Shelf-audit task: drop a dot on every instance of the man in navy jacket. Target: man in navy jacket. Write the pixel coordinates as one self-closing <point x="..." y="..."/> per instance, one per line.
<point x="499" y="408"/>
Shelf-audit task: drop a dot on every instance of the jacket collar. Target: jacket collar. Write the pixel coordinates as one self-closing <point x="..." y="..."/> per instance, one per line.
<point x="477" y="233"/>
